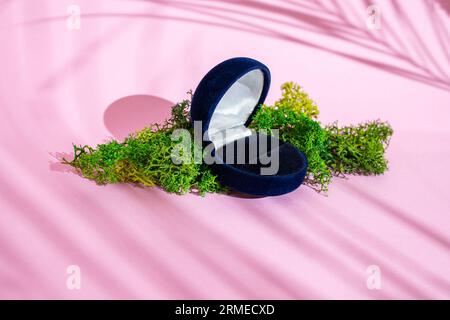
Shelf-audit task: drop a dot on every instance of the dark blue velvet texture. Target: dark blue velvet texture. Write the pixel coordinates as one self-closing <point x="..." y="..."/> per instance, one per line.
<point x="245" y="178"/>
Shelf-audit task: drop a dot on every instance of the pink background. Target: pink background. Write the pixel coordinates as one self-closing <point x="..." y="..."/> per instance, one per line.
<point x="122" y="69"/>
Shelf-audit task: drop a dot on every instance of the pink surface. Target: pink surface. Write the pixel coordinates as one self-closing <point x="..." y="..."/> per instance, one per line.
<point x="121" y="70"/>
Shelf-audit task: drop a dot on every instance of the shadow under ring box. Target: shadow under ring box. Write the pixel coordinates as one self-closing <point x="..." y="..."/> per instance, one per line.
<point x="244" y="160"/>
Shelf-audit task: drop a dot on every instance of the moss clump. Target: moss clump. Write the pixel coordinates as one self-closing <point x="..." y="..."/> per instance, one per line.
<point x="331" y="150"/>
<point x="293" y="97"/>
<point x="145" y="157"/>
<point x="358" y="149"/>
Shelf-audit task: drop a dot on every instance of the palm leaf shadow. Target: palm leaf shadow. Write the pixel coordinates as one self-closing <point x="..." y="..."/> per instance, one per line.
<point x="408" y="53"/>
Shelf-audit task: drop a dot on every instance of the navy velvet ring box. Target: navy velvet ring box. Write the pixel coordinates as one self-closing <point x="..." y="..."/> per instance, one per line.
<point x="246" y="161"/>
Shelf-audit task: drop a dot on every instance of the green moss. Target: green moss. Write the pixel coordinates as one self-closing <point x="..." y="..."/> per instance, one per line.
<point x="295" y="98"/>
<point x="358" y="149"/>
<point x="331" y="150"/>
<point x="145" y="157"/>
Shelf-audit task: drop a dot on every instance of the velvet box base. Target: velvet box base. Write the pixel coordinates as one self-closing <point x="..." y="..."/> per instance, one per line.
<point x="243" y="172"/>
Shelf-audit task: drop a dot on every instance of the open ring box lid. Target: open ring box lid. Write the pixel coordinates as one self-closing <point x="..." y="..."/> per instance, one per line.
<point x="244" y="160"/>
